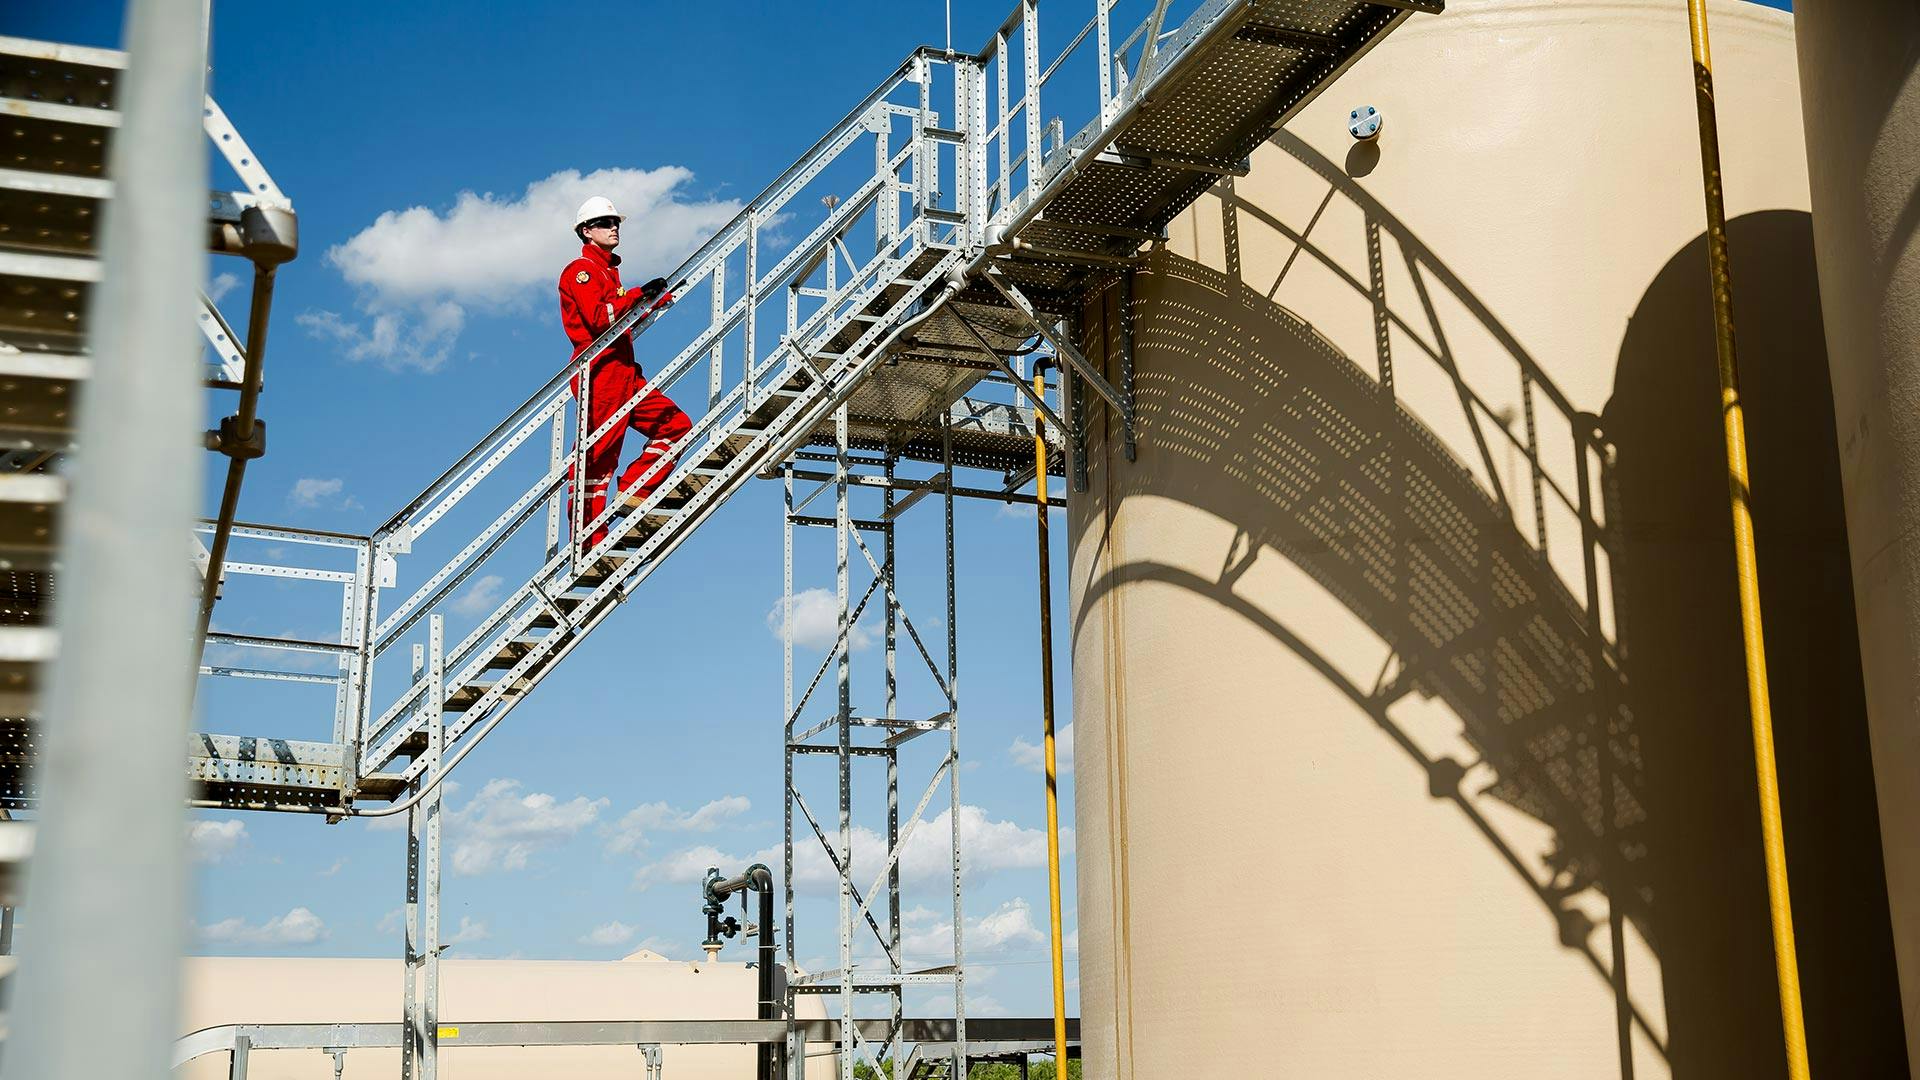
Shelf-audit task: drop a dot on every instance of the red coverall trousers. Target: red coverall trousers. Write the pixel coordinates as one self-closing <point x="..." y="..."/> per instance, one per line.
<point x="613" y="383"/>
<point x="591" y="297"/>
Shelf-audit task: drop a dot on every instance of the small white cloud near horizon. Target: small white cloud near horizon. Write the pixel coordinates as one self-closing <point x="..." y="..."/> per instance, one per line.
<point x="316" y="492"/>
<point x="1031" y="756"/>
<point x="631" y="832"/>
<point x="989" y="846"/>
<point x="416" y="270"/>
<point x="815" y="617"/>
<point x="470" y="930"/>
<point x="608" y="934"/>
<point x="222" y="284"/>
<point x="300" y="926"/>
<point x="210" y="841"/>
<point x="500" y="828"/>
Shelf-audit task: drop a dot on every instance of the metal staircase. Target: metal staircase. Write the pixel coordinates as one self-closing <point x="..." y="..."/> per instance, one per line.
<point x="954" y="239"/>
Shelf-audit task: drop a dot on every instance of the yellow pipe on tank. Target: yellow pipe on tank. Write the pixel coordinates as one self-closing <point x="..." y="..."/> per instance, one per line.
<point x="1046" y="722"/>
<point x="1773" y="837"/>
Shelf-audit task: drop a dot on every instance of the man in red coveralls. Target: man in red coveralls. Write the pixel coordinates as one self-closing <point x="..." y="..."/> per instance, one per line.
<point x="591" y="297"/>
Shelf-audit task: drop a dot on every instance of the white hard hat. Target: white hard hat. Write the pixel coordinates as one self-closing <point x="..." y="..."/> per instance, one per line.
<point x="597" y="207"/>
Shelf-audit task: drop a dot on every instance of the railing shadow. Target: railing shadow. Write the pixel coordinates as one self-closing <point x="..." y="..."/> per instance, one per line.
<point x="1506" y="593"/>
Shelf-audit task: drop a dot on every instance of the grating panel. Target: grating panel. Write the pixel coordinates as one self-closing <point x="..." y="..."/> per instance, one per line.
<point x="32" y="144"/>
<point x="49" y="222"/>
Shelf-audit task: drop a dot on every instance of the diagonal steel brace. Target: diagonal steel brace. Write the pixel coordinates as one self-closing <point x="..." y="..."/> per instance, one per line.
<point x="1121" y="401"/>
<point x="1060" y="344"/>
<point x="1014" y="376"/>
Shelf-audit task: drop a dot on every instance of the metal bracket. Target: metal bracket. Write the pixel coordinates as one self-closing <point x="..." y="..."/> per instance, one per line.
<point x="1121" y="400"/>
<point x="1077" y="430"/>
<point x="650" y="1054"/>
<point x="227" y="439"/>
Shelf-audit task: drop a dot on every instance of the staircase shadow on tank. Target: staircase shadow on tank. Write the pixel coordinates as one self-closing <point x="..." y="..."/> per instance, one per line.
<point x="1645" y="779"/>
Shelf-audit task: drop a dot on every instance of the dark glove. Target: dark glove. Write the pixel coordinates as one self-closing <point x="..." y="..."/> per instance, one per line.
<point x="653" y="288"/>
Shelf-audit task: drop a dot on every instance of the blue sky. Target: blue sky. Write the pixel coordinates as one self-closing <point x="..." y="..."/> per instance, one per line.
<point x="656" y="745"/>
<point x="595" y="787"/>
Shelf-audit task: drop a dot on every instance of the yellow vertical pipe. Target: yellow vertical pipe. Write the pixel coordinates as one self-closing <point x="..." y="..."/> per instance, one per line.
<point x="1046" y="721"/>
<point x="1785" y="962"/>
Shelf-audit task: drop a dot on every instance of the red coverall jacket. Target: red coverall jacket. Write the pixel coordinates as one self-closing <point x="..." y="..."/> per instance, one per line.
<point x="591" y="297"/>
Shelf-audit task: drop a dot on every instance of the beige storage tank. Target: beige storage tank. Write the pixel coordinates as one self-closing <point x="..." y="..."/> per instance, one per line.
<point x="1408" y="689"/>
<point x="1860" y="80"/>
<point x="644" y="986"/>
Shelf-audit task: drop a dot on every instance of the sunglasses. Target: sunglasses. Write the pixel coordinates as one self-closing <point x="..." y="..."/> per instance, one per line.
<point x="603" y="223"/>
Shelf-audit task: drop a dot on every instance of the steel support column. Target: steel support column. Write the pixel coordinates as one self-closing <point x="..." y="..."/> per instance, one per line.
<point x="873" y="972"/>
<point x="420" y="1039"/>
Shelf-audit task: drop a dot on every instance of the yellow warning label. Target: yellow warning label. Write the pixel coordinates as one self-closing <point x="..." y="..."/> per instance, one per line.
<point x="449" y="1032"/>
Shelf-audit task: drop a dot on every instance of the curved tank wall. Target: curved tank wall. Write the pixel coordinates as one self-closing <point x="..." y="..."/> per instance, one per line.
<point x="1410" y="713"/>
<point x="1860" y="79"/>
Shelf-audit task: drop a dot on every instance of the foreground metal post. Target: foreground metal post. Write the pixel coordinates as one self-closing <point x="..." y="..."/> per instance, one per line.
<point x="1732" y="416"/>
<point x="109" y="884"/>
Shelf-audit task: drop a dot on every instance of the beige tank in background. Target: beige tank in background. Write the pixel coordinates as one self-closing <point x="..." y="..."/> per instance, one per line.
<point x="1428" y="437"/>
<point x="1860" y="79"/>
<point x="644" y="986"/>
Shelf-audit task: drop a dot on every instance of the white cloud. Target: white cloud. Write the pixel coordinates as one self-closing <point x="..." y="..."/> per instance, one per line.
<point x="1006" y="930"/>
<point x="210" y="841"/>
<point x="687" y="866"/>
<point x="391" y="922"/>
<point x="338" y="864"/>
<point x="672" y="950"/>
<point x="631" y="833"/>
<point x="419" y="339"/>
<point x="988" y="846"/>
<point x="609" y="934"/>
<point x="815" y="616"/>
<point x="481" y="597"/>
<point x="1031" y="756"/>
<point x="297" y="927"/>
<point x="221" y="285"/>
<point x="469" y="930"/>
<point x="500" y="828"/>
<point x="416" y="269"/>
<point x="313" y="492"/>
